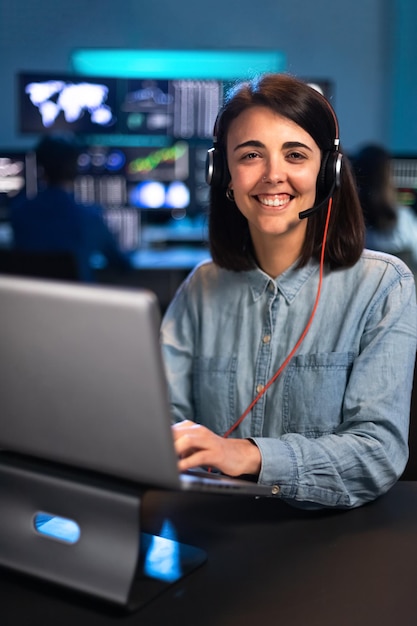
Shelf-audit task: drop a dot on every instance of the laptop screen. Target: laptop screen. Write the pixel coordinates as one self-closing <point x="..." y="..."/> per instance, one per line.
<point x="82" y="379"/>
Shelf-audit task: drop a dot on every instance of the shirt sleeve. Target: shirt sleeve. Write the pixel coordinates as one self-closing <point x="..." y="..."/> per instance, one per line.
<point x="368" y="451"/>
<point x="177" y="340"/>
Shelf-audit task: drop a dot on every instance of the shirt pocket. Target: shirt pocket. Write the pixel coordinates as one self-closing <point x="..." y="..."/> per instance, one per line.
<point x="314" y="391"/>
<point x="214" y="383"/>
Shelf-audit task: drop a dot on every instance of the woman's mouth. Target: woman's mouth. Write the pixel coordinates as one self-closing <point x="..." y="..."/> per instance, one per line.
<point x="274" y="200"/>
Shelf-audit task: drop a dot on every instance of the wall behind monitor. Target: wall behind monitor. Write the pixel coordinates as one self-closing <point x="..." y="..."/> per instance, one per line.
<point x="350" y="43"/>
<point x="403" y="96"/>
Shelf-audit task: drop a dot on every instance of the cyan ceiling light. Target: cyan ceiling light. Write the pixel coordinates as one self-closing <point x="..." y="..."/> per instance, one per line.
<point x="186" y="64"/>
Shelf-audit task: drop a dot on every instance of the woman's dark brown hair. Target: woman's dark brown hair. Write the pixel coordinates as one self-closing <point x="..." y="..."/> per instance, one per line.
<point x="229" y="237"/>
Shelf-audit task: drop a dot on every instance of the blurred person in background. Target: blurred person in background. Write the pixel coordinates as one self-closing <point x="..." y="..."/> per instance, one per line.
<point x="53" y="221"/>
<point x="389" y="227"/>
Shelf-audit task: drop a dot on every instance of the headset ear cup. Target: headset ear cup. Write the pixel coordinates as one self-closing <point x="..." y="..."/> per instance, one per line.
<point x="323" y="178"/>
<point x="217" y="172"/>
<point x="329" y="174"/>
<point x="337" y="168"/>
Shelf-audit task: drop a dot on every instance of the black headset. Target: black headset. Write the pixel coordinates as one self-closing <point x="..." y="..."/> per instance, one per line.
<point x="328" y="179"/>
<point x="217" y="172"/>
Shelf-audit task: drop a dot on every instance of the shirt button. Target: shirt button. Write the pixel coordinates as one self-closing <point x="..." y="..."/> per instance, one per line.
<point x="266" y="338"/>
<point x="259" y="388"/>
<point x="275" y="490"/>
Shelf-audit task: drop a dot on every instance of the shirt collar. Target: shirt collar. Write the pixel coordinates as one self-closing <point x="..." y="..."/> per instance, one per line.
<point x="289" y="283"/>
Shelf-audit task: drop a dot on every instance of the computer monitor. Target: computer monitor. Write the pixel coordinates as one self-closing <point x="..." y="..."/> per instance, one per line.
<point x="146" y="139"/>
<point x="145" y="108"/>
<point x="175" y="108"/>
<point x="63" y="102"/>
<point x="161" y="184"/>
<point x="322" y="85"/>
<point x="404" y="171"/>
<point x="17" y="178"/>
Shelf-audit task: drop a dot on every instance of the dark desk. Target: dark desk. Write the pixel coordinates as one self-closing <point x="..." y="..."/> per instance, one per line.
<point x="267" y="564"/>
<point x="160" y="270"/>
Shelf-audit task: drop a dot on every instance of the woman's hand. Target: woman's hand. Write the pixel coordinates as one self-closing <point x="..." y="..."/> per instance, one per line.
<point x="196" y="446"/>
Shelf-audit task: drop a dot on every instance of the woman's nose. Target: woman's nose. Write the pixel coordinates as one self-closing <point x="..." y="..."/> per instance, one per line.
<point x="274" y="173"/>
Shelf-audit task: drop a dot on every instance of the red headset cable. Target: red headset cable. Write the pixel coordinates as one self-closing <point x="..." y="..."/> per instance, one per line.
<point x="303" y="334"/>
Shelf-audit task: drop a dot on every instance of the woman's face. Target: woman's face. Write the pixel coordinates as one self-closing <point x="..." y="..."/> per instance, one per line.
<point x="273" y="165"/>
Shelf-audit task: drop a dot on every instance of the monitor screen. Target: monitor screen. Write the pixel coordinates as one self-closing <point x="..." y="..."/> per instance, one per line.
<point x="404" y="171"/>
<point x="164" y="109"/>
<point x="17" y="178"/>
<point x="170" y="178"/>
<point x="177" y="108"/>
<point x="322" y="85"/>
<point x="63" y="102"/>
<point x="147" y="140"/>
<point x="145" y="187"/>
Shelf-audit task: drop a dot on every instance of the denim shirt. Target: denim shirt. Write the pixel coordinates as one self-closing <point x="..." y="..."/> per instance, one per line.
<point x="332" y="429"/>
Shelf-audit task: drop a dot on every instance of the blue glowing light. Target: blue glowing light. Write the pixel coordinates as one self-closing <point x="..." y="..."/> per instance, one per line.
<point x="115" y="160"/>
<point x="163" y="556"/>
<point x="177" y="195"/>
<point x="57" y="527"/>
<point x="155" y="195"/>
<point x="203" y="64"/>
<point x="150" y="195"/>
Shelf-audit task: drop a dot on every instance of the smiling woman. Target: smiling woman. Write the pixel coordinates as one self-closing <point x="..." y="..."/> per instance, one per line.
<point x="273" y="164"/>
<point x="307" y="109"/>
<point x="283" y="353"/>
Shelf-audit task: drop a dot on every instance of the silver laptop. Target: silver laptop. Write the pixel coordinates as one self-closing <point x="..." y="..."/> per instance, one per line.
<point x="82" y="383"/>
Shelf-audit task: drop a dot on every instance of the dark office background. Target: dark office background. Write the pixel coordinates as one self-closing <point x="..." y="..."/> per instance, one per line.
<point x="367" y="48"/>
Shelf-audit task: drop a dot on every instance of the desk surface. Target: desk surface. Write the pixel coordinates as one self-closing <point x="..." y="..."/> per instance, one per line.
<point x="177" y="257"/>
<point x="267" y="564"/>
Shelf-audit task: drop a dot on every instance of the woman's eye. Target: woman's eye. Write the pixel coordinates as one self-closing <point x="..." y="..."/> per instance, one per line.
<point x="295" y="156"/>
<point x="250" y="155"/>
